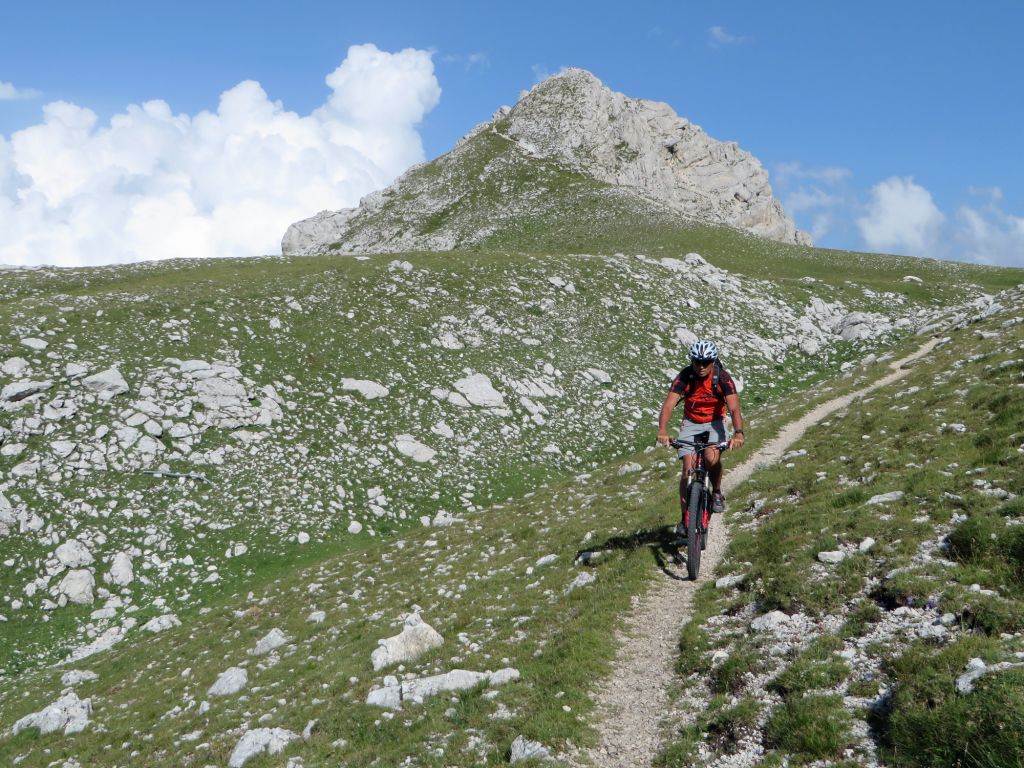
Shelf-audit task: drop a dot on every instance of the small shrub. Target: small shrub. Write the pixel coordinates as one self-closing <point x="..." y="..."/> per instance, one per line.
<point x="728" y="726"/>
<point x="813" y="727"/>
<point x="932" y="725"/>
<point x="976" y="537"/>
<point x="728" y="678"/>
<point x="808" y="674"/>
<point x="860" y="616"/>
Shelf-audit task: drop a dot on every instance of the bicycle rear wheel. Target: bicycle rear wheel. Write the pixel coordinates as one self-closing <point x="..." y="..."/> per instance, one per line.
<point x="695" y="537"/>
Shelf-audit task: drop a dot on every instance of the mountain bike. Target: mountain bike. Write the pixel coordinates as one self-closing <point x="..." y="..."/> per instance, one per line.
<point x="697" y="515"/>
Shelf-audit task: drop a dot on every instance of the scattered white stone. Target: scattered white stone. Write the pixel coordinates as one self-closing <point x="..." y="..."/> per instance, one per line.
<point x="912" y="279"/>
<point x="546" y="560"/>
<point x="75" y="370"/>
<point x="371" y="390"/>
<point x="833" y="557"/>
<point x="885" y="498"/>
<point x="73" y="554"/>
<point x="161" y="623"/>
<point x="106" y="383"/>
<point x="582" y="580"/>
<point x="629" y="468"/>
<point x="68" y="713"/>
<point x="76" y="676"/>
<point x="19" y="390"/>
<point x="415" y="639"/>
<point x="273" y="640"/>
<point x="355" y="527"/>
<point x="524" y="749"/>
<point x="316" y="617"/>
<point x="121" y="572"/>
<point x="104" y="642"/>
<point x="260" y="740"/>
<point x="393" y="693"/>
<point x="477" y="389"/>
<point x="727" y="582"/>
<point x="769" y="622"/>
<point x="866" y="545"/>
<point x="442" y="429"/>
<point x="78" y="586"/>
<point x="599" y="376"/>
<point x="33" y="343"/>
<point x="14" y="366"/>
<point x="408" y="445"/>
<point x="229" y="682"/>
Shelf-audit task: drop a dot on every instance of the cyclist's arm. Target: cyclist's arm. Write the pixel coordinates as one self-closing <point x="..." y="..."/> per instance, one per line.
<point x="666" y="413"/>
<point x="733" y="404"/>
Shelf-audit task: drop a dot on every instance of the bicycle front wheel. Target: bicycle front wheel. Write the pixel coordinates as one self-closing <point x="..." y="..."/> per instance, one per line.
<point x="695" y="538"/>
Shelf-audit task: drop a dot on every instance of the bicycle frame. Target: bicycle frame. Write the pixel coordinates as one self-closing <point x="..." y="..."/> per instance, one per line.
<point x="696" y="501"/>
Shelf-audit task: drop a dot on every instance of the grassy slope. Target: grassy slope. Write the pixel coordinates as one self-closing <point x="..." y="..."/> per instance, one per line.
<point x="474" y="579"/>
<point x="244" y="295"/>
<point x="363" y="320"/>
<point x="872" y="605"/>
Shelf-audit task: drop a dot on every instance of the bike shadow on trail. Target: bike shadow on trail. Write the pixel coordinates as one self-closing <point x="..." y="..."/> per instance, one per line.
<point x="661" y="542"/>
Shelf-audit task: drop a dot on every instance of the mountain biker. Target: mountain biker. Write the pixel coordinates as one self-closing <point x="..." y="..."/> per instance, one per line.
<point x="706" y="390"/>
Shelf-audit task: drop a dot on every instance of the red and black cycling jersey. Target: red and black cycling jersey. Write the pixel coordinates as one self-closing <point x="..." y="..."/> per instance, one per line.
<point x="701" y="405"/>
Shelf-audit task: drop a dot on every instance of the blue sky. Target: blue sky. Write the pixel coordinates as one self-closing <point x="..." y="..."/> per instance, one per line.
<point x="884" y="126"/>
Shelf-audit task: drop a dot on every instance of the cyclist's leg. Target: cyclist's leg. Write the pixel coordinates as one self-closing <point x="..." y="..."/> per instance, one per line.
<point x="713" y="458"/>
<point x="684" y="482"/>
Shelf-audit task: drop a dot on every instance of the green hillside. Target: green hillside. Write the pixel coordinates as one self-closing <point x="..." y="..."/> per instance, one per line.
<point x="508" y="373"/>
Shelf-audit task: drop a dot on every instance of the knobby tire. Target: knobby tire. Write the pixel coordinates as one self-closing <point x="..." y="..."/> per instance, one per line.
<point x="695" y="537"/>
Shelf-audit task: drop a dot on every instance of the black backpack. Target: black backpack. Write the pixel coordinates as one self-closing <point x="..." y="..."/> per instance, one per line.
<point x="690" y="380"/>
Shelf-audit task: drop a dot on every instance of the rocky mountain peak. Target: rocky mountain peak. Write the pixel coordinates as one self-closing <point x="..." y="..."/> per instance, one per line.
<point x="574" y="122"/>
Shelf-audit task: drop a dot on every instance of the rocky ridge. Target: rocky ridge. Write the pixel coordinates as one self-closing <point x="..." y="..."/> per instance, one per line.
<point x="637" y="150"/>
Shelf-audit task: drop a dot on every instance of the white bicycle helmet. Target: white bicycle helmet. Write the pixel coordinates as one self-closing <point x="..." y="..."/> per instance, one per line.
<point x="703" y="350"/>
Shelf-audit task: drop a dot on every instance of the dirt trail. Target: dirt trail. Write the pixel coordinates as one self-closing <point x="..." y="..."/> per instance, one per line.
<point x="635" y="696"/>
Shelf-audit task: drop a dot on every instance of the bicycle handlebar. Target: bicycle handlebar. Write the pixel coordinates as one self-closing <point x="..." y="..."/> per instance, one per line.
<point x="723" y="446"/>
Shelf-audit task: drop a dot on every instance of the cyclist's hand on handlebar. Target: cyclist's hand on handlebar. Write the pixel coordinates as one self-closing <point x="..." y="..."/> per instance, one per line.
<point x="736" y="441"/>
<point x="663" y="440"/>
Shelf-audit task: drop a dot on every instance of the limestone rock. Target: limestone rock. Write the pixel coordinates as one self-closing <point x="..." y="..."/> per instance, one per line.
<point x="769" y="622"/>
<point x="260" y="740"/>
<point x="642" y="149"/>
<point x="106" y="383"/>
<point x="161" y="623"/>
<point x="885" y="498"/>
<point x="524" y="749"/>
<point x="78" y="586"/>
<point x="836" y="556"/>
<point x="371" y="390"/>
<point x="68" y="714"/>
<point x="415" y="639"/>
<point x="477" y="389"/>
<point x="121" y="572"/>
<point x="229" y="682"/>
<point x="19" y="390"/>
<point x="73" y="554"/>
<point x="76" y="676"/>
<point x="408" y="445"/>
<point x="271" y="641"/>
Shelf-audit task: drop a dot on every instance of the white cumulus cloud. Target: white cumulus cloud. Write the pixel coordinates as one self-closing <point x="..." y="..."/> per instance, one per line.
<point x="719" y="36"/>
<point x="153" y="184"/>
<point x="990" y="235"/>
<point x="901" y="217"/>
<point x="8" y="92"/>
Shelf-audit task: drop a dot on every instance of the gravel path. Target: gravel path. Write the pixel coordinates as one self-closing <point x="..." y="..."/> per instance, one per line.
<point x="635" y="696"/>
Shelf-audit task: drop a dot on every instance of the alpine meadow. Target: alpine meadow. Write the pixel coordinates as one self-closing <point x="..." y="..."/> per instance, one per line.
<point x="392" y="498"/>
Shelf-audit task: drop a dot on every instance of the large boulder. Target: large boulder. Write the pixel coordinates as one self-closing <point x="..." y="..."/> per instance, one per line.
<point x="416" y="638"/>
<point x="78" y="586"/>
<point x="106" y="383"/>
